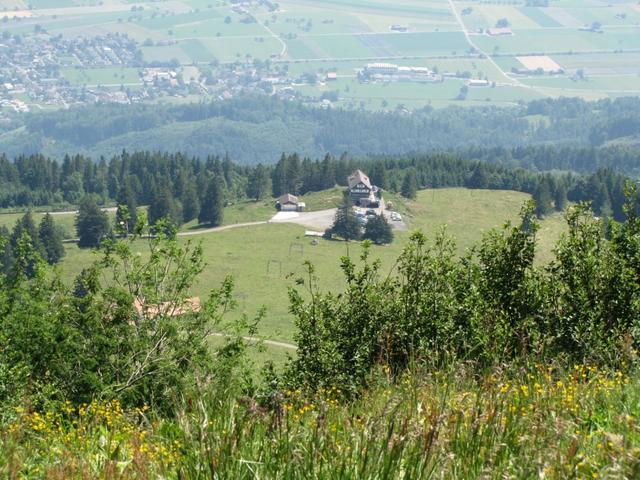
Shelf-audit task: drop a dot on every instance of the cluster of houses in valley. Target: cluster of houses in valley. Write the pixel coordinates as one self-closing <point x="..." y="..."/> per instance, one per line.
<point x="361" y="192"/>
<point x="41" y="69"/>
<point x="30" y="67"/>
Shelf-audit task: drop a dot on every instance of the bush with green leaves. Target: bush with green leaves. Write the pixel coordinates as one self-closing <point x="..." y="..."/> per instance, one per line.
<point x="490" y="306"/>
<point x="126" y="329"/>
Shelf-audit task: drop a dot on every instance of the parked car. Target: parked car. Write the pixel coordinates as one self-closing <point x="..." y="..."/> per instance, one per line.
<point x="396" y="217"/>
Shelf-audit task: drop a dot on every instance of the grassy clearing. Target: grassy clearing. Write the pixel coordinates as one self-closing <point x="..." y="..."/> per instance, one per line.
<point x="468" y="214"/>
<point x="65" y="220"/>
<point x="536" y="422"/>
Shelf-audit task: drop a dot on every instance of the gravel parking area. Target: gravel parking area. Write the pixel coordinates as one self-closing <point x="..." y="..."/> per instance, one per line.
<point x="323" y="219"/>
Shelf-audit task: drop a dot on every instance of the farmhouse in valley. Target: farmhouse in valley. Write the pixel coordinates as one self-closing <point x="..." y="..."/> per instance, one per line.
<point x="361" y="191"/>
<point x="290" y="203"/>
<point x="499" y="31"/>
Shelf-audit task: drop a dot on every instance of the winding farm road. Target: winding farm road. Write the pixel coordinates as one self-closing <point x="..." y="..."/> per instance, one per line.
<point x="221" y="229"/>
<point x="273" y="343"/>
<point x="463" y="27"/>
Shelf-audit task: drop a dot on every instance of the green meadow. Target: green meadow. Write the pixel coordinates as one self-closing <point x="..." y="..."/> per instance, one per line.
<point x="267" y="259"/>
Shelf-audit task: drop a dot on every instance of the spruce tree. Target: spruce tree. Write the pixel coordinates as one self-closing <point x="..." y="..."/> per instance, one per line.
<point x="410" y="184"/>
<point x="378" y="230"/>
<point x="346" y="223"/>
<point x="379" y="175"/>
<point x="279" y="177"/>
<point x="92" y="224"/>
<point x="51" y="240"/>
<point x="163" y="205"/>
<point x="190" y="202"/>
<point x="212" y="210"/>
<point x="480" y="178"/>
<point x="259" y="183"/>
<point x="328" y="172"/>
<point x="28" y="225"/>
<point x="543" y="198"/>
<point x="293" y="175"/>
<point x="6" y="251"/>
<point x="560" y="197"/>
<point x="602" y="200"/>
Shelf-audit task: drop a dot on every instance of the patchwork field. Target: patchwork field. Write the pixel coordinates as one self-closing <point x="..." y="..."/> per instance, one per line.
<point x="535" y="62"/>
<point x="595" y="37"/>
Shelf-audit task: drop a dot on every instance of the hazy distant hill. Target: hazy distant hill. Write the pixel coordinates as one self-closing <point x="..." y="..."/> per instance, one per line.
<point x="259" y="129"/>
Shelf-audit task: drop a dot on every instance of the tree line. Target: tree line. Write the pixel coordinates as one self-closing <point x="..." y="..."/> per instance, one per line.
<point x="45" y="239"/>
<point x="190" y="188"/>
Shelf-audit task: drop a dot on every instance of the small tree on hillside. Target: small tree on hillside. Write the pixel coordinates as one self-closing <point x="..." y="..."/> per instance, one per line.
<point x="378" y="230"/>
<point x="212" y="210"/>
<point x="92" y="223"/>
<point x="410" y="184"/>
<point x="51" y="240"/>
<point x="346" y="224"/>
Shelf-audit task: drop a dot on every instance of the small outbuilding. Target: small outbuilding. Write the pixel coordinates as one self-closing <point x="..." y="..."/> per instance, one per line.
<point x="500" y="31"/>
<point x="290" y="203"/>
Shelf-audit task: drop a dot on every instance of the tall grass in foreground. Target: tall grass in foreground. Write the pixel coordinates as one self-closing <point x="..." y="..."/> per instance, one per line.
<point x="536" y="422"/>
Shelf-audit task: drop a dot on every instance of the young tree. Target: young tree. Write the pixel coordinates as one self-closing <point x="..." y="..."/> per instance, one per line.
<point x="212" y="210"/>
<point x="51" y="240"/>
<point x="92" y="224"/>
<point x="410" y="184"/>
<point x="378" y="230"/>
<point x="346" y="223"/>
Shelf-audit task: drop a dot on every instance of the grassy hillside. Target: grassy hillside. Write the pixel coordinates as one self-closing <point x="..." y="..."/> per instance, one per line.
<point x="265" y="260"/>
<point x="536" y="423"/>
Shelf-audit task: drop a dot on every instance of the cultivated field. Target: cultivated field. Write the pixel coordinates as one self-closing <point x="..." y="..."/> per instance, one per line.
<point x="598" y="38"/>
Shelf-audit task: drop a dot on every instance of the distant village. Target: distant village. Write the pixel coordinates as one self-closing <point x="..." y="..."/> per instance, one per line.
<point x="34" y="71"/>
<point x="44" y="71"/>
